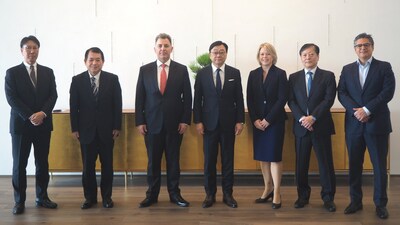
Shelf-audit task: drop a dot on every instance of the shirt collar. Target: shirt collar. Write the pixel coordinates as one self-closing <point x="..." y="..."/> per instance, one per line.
<point x="159" y="63"/>
<point x="312" y="70"/>
<point x="366" y="64"/>
<point x="29" y="66"/>
<point x="97" y="76"/>
<point x="214" y="68"/>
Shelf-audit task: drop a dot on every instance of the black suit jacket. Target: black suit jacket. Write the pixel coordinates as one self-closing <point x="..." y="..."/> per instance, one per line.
<point x="89" y="116"/>
<point x="210" y="109"/>
<point x="319" y="103"/>
<point x="168" y="110"/>
<point x="269" y="105"/>
<point x="25" y="100"/>
<point x="378" y="90"/>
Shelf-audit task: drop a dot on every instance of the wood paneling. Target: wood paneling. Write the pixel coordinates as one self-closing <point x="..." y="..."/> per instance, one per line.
<point x="130" y="151"/>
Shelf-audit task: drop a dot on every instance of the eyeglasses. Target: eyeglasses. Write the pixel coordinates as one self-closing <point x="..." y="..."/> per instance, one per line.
<point x="30" y="48"/>
<point x="366" y="45"/>
<point x="218" y="52"/>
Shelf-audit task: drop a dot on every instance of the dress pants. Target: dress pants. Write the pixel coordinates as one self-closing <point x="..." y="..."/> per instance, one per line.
<point x="323" y="151"/>
<point x="89" y="156"/>
<point x="21" y="148"/>
<point x="226" y="141"/>
<point x="156" y="144"/>
<point x="378" y="150"/>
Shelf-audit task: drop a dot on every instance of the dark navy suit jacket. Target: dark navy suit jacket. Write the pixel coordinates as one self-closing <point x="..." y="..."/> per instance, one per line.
<point x="270" y="105"/>
<point x="25" y="100"/>
<point x="210" y="109"/>
<point x="319" y="103"/>
<point x="378" y="90"/>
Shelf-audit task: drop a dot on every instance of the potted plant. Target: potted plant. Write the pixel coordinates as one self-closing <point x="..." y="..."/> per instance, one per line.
<point x="201" y="61"/>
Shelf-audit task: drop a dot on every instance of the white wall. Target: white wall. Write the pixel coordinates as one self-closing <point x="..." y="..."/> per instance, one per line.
<point x="125" y="31"/>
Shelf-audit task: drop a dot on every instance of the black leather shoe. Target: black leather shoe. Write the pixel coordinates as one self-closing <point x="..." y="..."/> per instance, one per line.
<point x="147" y="202"/>
<point x="88" y="204"/>
<point x="330" y="206"/>
<point x="208" y="201"/>
<point x="300" y="203"/>
<point x="230" y="201"/>
<point x="353" y="207"/>
<point x="177" y="199"/>
<point x="265" y="200"/>
<point x="382" y="212"/>
<point x="19" y="208"/>
<point x="108" y="203"/>
<point x="46" y="203"/>
<point x="276" y="205"/>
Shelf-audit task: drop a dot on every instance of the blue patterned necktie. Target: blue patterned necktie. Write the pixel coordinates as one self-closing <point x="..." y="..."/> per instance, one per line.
<point x="309" y="82"/>
<point x="218" y="85"/>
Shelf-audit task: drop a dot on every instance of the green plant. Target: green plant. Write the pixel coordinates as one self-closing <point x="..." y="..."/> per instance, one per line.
<point x="201" y="61"/>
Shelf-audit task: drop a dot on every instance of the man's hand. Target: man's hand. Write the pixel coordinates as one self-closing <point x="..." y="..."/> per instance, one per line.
<point x="142" y="129"/>
<point x="200" y="128"/>
<point x="37" y="118"/>
<point x="115" y="134"/>
<point x="75" y="135"/>
<point x="238" y="128"/>
<point x="307" y="122"/>
<point x="361" y="115"/>
<point x="182" y="128"/>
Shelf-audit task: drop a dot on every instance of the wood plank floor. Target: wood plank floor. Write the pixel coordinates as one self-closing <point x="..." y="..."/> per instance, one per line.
<point x="67" y="192"/>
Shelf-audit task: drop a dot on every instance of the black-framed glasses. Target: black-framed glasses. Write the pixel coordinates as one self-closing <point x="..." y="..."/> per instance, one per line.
<point x="366" y="45"/>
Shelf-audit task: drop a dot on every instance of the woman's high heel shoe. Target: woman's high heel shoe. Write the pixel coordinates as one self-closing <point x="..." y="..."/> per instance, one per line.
<point x="264" y="200"/>
<point x="277" y="205"/>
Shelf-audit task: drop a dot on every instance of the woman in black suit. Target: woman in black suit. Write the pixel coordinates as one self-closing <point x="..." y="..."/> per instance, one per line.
<point x="266" y="98"/>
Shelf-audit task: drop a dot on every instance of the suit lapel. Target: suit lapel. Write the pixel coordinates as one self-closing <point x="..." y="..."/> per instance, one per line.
<point x="372" y="70"/>
<point x="356" y="76"/>
<point x="154" y="76"/>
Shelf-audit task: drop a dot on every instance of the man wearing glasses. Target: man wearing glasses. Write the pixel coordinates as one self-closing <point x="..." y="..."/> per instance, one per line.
<point x="365" y="89"/>
<point x="219" y="116"/>
<point x="31" y="92"/>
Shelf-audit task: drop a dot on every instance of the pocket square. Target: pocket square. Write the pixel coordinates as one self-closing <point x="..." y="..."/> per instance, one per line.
<point x="231" y="79"/>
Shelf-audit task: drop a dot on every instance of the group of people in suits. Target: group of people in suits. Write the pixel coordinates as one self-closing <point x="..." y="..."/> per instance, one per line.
<point x="163" y="113"/>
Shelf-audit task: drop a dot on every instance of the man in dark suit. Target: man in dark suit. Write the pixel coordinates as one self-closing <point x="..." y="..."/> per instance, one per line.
<point x="163" y="112"/>
<point x="365" y="89"/>
<point x="31" y="92"/>
<point x="96" y="115"/>
<point x="219" y="116"/>
<point x="312" y="92"/>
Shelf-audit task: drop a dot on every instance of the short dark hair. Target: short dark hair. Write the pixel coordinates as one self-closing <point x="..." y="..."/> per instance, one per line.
<point x="364" y="35"/>
<point x="163" y="36"/>
<point x="29" y="38"/>
<point x="218" y="43"/>
<point x="308" y="45"/>
<point x="95" y="50"/>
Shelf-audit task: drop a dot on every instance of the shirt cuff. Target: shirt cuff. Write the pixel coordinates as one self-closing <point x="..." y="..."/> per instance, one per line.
<point x="366" y="111"/>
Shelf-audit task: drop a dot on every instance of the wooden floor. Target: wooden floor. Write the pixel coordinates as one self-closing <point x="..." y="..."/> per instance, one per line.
<point x="67" y="192"/>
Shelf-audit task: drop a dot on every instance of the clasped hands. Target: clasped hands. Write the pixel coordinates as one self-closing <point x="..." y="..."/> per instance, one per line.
<point x="361" y="115"/>
<point x="307" y="122"/>
<point x="261" y="124"/>
<point x="37" y="118"/>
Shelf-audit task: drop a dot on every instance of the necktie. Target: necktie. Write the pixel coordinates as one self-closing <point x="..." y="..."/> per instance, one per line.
<point x="33" y="76"/>
<point x="309" y="82"/>
<point x="218" y="83"/>
<point x="163" y="79"/>
<point x="95" y="90"/>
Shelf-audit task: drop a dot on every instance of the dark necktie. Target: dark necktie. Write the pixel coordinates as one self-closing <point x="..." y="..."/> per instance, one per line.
<point x="218" y="85"/>
<point x="95" y="90"/>
<point x="309" y="82"/>
<point x="33" y="76"/>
